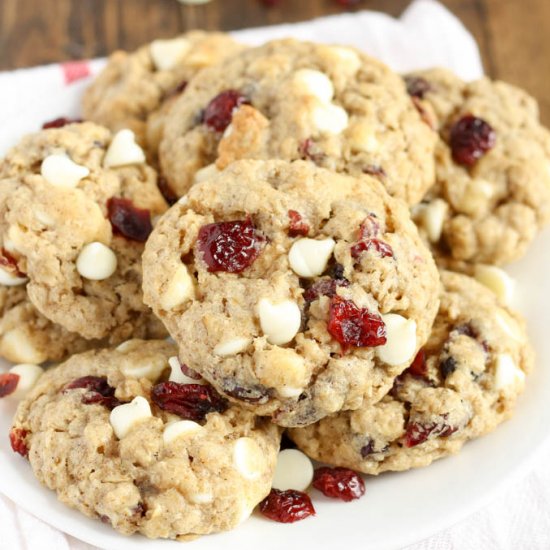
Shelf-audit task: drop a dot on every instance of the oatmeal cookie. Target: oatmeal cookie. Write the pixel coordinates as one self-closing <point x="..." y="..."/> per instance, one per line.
<point x="463" y="383"/>
<point x="294" y="290"/>
<point x="99" y="431"/>
<point x="492" y="191"/>
<point x="293" y="100"/>
<point x="134" y="86"/>
<point x="75" y="208"/>
<point x="26" y="336"/>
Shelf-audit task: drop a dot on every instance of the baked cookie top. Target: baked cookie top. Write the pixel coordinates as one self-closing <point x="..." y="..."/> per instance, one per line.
<point x="492" y="192"/>
<point x="291" y="100"/>
<point x="134" y="85"/>
<point x="117" y="443"/>
<point x="76" y="205"/>
<point x="26" y="336"/>
<point x="296" y="291"/>
<point x="463" y="383"/>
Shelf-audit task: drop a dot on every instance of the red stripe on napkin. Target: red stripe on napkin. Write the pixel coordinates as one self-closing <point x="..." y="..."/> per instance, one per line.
<point x="75" y="70"/>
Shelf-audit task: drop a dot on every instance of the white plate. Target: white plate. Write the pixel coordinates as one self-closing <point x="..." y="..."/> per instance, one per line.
<point x="398" y="509"/>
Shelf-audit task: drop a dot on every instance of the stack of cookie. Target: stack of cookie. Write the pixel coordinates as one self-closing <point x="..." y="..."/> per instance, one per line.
<point x="327" y="269"/>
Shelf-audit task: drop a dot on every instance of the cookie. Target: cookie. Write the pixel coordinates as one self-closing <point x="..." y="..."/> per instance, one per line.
<point x="294" y="290"/>
<point x="96" y="430"/>
<point x="134" y="86"/>
<point x="291" y="100"/>
<point x="26" y="336"/>
<point x="76" y="205"/>
<point x="492" y="193"/>
<point x="463" y="383"/>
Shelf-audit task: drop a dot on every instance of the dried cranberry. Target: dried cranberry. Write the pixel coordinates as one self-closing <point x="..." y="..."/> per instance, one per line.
<point x="383" y="249"/>
<point x="417" y="86"/>
<point x="419" y="367"/>
<point x="8" y="383"/>
<point x="129" y="221"/>
<point x="373" y="170"/>
<point x="297" y="226"/>
<point x="471" y="137"/>
<point x="107" y="401"/>
<point x="9" y="263"/>
<point x="270" y="2"/>
<point x="369" y="228"/>
<point x="426" y="117"/>
<point x="98" y="391"/>
<point x="287" y="506"/>
<point x="353" y="326"/>
<point x="324" y="287"/>
<point x="96" y="384"/>
<point x="230" y="246"/>
<point x="448" y="366"/>
<point x="60" y="122"/>
<point x="188" y="401"/>
<point x="337" y="271"/>
<point x="166" y="191"/>
<point x="190" y="372"/>
<point x="219" y="111"/>
<point x="467" y="330"/>
<point x="341" y="483"/>
<point x="17" y="440"/>
<point x="251" y="394"/>
<point x="367" y="449"/>
<point x="180" y="88"/>
<point x="308" y="150"/>
<point x="418" y="433"/>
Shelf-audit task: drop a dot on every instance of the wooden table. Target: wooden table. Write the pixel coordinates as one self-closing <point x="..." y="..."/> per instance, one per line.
<point x="514" y="35"/>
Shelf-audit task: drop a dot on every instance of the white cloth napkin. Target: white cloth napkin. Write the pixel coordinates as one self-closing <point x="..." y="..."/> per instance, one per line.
<point x="425" y="35"/>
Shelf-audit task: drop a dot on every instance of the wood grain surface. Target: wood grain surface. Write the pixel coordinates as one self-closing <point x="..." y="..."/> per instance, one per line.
<point x="513" y="35"/>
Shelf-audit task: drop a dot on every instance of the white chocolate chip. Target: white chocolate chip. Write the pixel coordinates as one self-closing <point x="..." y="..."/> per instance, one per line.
<point x="177" y="375"/>
<point x="506" y="372"/>
<point x="246" y="512"/>
<point x="96" y="262"/>
<point x="179" y="290"/>
<point x="496" y="280"/>
<point x="150" y="370"/>
<point x="248" y="458"/>
<point x="166" y="54"/>
<point x="400" y="343"/>
<point x="128" y="345"/>
<point x="309" y="258"/>
<point x="180" y="428"/>
<point x="315" y="83"/>
<point x="205" y="173"/>
<point x="124" y="417"/>
<point x="9" y="279"/>
<point x="60" y="170"/>
<point x="17" y="346"/>
<point x="201" y="498"/>
<point x="329" y="118"/>
<point x="349" y="60"/>
<point x="232" y="347"/>
<point x="123" y="150"/>
<point x="362" y="137"/>
<point x="433" y="217"/>
<point x="43" y="218"/>
<point x="283" y="369"/>
<point x="294" y="470"/>
<point x="280" y="322"/>
<point x="509" y="325"/>
<point x="28" y="377"/>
